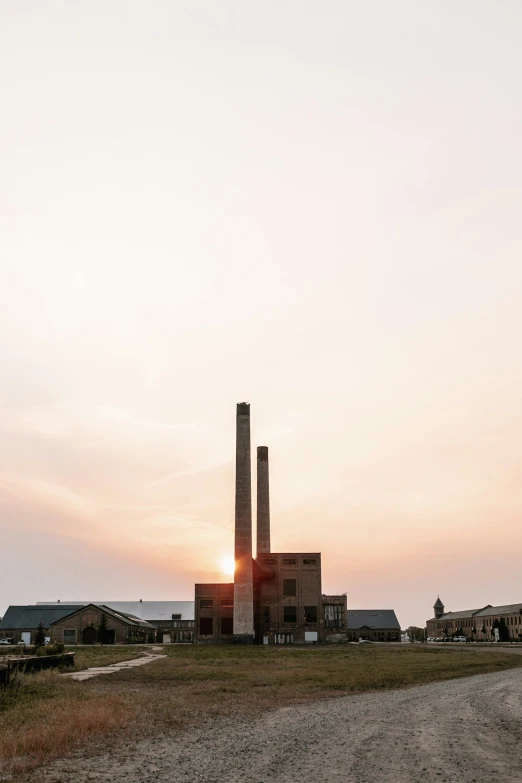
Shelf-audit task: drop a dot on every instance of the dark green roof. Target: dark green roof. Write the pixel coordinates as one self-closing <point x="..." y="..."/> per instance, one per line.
<point x="29" y="617"/>
<point x="376" y="619"/>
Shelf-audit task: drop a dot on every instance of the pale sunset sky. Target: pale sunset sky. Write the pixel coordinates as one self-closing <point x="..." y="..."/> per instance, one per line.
<point x="314" y="207"/>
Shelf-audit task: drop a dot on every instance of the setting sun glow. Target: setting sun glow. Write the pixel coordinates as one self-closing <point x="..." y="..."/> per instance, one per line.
<point x="228" y="565"/>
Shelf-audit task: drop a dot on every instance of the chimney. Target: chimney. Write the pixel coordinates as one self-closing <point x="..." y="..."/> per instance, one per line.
<point x="263" y="502"/>
<point x="243" y="582"/>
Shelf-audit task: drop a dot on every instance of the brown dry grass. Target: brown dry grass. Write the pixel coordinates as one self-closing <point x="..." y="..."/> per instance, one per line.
<point x="46" y="716"/>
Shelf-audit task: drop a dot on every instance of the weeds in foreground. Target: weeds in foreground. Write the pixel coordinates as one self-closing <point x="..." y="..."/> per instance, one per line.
<point x="43" y="716"/>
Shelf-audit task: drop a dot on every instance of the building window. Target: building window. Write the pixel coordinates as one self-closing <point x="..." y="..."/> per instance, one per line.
<point x="289" y="587"/>
<point x="176" y="617"/>
<point x="69" y="636"/>
<point x="309" y="561"/>
<point x="227" y="603"/>
<point x="333" y="616"/>
<point x="206" y="603"/>
<point x="290" y="614"/>
<point x="266" y="615"/>
<point x="291" y="561"/>
<point x="269" y="561"/>
<point x="206" y="626"/>
<point x="227" y="625"/>
<point x="310" y="614"/>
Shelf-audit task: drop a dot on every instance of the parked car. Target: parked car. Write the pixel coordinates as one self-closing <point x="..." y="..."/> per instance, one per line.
<point x="5" y="641"/>
<point x="365" y="641"/>
<point x="459" y="639"/>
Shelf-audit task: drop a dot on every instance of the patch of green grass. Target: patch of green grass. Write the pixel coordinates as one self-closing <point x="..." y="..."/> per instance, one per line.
<point x="86" y="657"/>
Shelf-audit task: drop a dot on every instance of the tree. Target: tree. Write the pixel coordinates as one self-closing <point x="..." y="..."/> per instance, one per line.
<point x="102" y="629"/>
<point x="503" y="630"/>
<point x="39" y="637"/>
<point x="415" y="633"/>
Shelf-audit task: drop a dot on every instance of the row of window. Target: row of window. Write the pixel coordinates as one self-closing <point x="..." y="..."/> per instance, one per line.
<point x="290" y="561"/>
<point x="333" y="613"/>
<point x="289" y="589"/>
<point x="206" y="624"/>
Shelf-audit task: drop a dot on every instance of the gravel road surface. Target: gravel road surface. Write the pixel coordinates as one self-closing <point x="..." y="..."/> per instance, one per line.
<point x="466" y="730"/>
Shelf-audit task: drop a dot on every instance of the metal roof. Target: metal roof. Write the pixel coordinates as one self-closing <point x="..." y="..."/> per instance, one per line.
<point x="29" y="617"/>
<point x="378" y="619"/>
<point x="145" y="610"/>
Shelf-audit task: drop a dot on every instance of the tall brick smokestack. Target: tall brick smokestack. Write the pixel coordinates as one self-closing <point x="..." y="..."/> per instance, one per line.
<point x="243" y="583"/>
<point x="263" y="501"/>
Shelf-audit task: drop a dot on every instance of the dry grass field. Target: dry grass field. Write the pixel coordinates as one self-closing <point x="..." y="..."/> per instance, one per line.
<point x="45" y="716"/>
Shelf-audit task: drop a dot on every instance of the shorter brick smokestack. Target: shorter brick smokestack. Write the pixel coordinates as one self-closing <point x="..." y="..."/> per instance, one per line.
<point x="263" y="502"/>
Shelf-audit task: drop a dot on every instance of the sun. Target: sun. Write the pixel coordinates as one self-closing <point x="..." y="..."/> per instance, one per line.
<point x="228" y="565"/>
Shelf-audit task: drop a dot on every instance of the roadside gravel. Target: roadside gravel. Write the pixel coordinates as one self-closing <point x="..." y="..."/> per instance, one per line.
<point x="465" y="730"/>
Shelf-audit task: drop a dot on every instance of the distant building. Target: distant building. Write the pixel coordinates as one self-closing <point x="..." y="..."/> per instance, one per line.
<point x="479" y="624"/>
<point x="173" y="619"/>
<point x="19" y="624"/>
<point x="377" y="625"/>
<point x="82" y="624"/>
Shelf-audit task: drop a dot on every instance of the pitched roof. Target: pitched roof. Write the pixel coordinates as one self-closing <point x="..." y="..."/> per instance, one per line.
<point x="489" y="611"/>
<point x="145" y="610"/>
<point x="20" y="617"/>
<point x="459" y="615"/>
<point x="122" y="616"/>
<point x="438" y="604"/>
<point x="377" y="619"/>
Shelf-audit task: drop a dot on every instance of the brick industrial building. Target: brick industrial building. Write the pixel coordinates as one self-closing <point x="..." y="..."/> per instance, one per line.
<point x="173" y="620"/>
<point x="276" y="598"/>
<point x="479" y="624"/>
<point x="82" y="626"/>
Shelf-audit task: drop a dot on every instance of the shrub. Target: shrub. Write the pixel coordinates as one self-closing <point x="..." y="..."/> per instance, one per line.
<point x="54" y="649"/>
<point x="39" y="637"/>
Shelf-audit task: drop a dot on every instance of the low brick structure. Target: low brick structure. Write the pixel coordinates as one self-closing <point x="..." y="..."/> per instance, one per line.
<point x="376" y="625"/>
<point x="20" y="623"/>
<point x="82" y="626"/>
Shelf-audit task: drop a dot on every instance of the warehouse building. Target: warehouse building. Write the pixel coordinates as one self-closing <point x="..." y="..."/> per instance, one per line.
<point x="487" y="623"/>
<point x="98" y="623"/>
<point x="174" y="620"/>
<point x="20" y="623"/>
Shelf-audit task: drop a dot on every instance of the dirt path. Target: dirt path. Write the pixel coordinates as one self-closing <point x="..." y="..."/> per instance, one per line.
<point x="461" y="731"/>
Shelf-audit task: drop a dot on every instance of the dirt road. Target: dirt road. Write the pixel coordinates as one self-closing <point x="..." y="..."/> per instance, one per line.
<point x="463" y="730"/>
